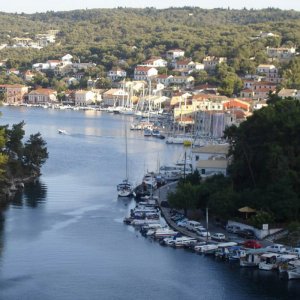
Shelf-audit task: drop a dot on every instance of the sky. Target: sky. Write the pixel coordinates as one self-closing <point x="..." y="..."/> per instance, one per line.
<point x="31" y="6"/>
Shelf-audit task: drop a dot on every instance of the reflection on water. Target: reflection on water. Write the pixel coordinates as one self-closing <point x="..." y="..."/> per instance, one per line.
<point x="32" y="194"/>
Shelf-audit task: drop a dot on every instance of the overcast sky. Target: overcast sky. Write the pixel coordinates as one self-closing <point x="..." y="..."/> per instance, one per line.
<point x="30" y="6"/>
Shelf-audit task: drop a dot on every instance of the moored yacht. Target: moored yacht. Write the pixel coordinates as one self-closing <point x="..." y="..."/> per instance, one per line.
<point x="125" y="189"/>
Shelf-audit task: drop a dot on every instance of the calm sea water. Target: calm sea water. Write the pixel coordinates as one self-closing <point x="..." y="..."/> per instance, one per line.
<point x="63" y="237"/>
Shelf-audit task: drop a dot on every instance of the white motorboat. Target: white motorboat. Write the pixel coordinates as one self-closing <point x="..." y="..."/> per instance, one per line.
<point x="268" y="261"/>
<point x="142" y="222"/>
<point x="208" y="248"/>
<point x="294" y="273"/>
<point x="184" y="241"/>
<point x="62" y="131"/>
<point x="150" y="180"/>
<point x="252" y="258"/>
<point x="165" y="232"/>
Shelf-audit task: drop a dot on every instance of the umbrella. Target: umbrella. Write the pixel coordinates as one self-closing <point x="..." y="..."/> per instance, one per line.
<point x="246" y="209"/>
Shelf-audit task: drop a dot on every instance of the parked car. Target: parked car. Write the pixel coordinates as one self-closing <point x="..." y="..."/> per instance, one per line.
<point x="218" y="236"/>
<point x="177" y="217"/>
<point x="203" y="233"/>
<point x="232" y="228"/>
<point x="182" y="223"/>
<point x="246" y="233"/>
<point x="279" y="248"/>
<point x="295" y="251"/>
<point x="193" y="225"/>
<point x="253" y="244"/>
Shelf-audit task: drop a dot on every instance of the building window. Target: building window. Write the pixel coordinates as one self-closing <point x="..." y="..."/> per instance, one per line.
<point x="203" y="171"/>
<point x="197" y="157"/>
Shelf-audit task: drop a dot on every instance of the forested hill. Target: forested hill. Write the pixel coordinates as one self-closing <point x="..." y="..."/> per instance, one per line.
<point x="106" y="35"/>
<point x="190" y="16"/>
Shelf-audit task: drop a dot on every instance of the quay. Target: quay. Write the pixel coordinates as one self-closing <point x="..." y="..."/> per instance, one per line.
<point x="162" y="194"/>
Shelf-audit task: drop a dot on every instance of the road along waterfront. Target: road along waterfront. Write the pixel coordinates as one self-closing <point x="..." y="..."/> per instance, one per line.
<point x="64" y="237"/>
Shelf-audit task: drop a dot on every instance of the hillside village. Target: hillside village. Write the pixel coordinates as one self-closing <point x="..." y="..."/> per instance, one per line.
<point x="168" y="83"/>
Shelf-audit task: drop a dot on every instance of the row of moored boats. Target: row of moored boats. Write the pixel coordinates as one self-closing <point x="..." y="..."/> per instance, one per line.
<point x="146" y="217"/>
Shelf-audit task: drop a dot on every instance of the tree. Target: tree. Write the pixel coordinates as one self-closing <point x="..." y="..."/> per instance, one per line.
<point x="35" y="152"/>
<point x="3" y="156"/>
<point x="291" y="74"/>
<point x="14" y="142"/>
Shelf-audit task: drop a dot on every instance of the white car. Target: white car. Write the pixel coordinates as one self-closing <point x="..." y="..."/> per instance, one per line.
<point x="182" y="223"/>
<point x="295" y="251"/>
<point x="218" y="236"/>
<point x="278" y="248"/>
<point x="203" y="233"/>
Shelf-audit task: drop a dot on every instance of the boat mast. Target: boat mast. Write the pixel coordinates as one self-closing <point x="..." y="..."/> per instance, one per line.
<point x="126" y="151"/>
<point x="207" y="224"/>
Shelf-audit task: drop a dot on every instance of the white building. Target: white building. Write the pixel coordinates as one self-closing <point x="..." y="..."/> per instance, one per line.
<point x="156" y="62"/>
<point x="211" y="62"/>
<point x="116" y="74"/>
<point x="174" y="53"/>
<point x="84" y="98"/>
<point x="144" y="73"/>
<point x="210" y="160"/>
<point x="281" y="53"/>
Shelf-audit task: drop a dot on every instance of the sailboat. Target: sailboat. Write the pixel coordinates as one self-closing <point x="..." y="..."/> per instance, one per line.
<point x="125" y="189"/>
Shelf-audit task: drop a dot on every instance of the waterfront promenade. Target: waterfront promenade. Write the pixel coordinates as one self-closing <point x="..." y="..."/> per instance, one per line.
<point x="162" y="194"/>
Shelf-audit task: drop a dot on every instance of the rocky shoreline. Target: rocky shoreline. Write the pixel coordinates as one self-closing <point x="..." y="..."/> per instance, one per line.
<point x="12" y="185"/>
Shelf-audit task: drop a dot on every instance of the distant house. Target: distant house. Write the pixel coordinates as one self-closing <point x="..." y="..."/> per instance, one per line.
<point x="164" y="79"/>
<point x="264" y="85"/>
<point x="286" y="93"/>
<point x="82" y="66"/>
<point x="42" y="96"/>
<point x="263" y="93"/>
<point x="247" y="93"/>
<point x="248" y="83"/>
<point x="13" y="93"/>
<point x="156" y="62"/>
<point x="67" y="59"/>
<point x="116" y="73"/>
<point x="281" y="53"/>
<point x="28" y="76"/>
<point x="182" y="80"/>
<point x="270" y="72"/>
<point x="174" y="53"/>
<point x="211" y="62"/>
<point x="144" y="73"/>
<point x="186" y="64"/>
<point x="84" y="98"/>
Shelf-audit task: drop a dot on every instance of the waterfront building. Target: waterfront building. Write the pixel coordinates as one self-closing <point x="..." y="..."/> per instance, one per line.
<point x="211" y="124"/>
<point x="84" y="98"/>
<point x="13" y="93"/>
<point x="42" y="96"/>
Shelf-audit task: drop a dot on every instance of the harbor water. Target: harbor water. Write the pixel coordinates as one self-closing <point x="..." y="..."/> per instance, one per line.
<point x="64" y="238"/>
